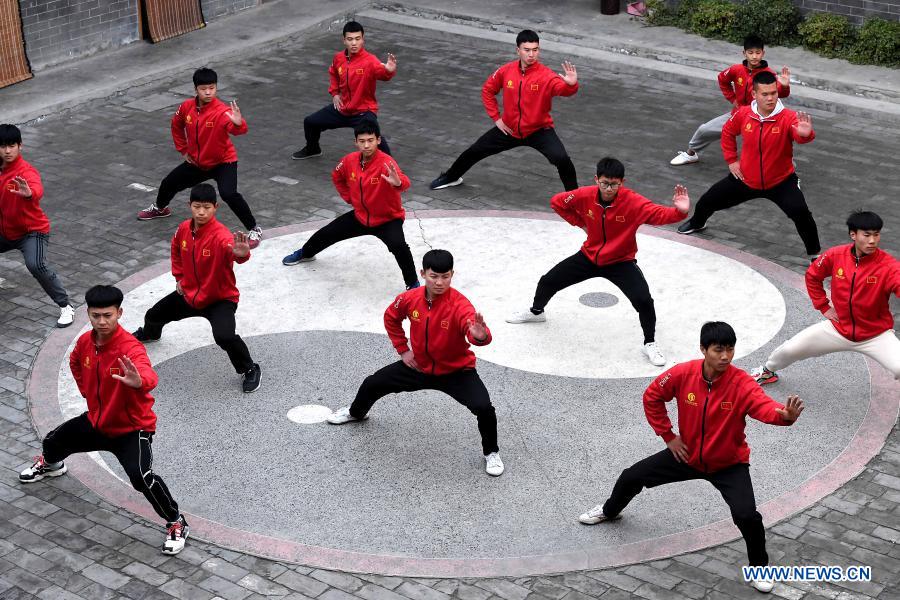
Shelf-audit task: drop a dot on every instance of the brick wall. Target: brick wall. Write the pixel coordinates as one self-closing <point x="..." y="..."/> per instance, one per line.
<point x="61" y="30"/>
<point x="856" y="10"/>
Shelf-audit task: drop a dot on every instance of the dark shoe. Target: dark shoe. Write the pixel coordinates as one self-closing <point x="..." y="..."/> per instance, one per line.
<point x="414" y="286"/>
<point x="306" y="152"/>
<point x="687" y="228"/>
<point x="252" y="379"/>
<point x="152" y="212"/>
<point x="295" y="258"/>
<point x="141" y="336"/>
<point x="444" y="182"/>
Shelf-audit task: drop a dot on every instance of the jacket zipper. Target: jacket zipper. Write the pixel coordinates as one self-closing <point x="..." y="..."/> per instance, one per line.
<point x="362" y="196"/>
<point x="519" y="104"/>
<point x="197" y="132"/>
<point x="194" y="262"/>
<point x="762" y="179"/>
<point x="850" y="301"/>
<point x="603" y="228"/>
<point x="703" y="424"/>
<point x="97" y="376"/>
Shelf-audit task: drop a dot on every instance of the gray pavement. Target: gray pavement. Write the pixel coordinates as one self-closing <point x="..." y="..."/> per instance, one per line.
<point x="60" y="541"/>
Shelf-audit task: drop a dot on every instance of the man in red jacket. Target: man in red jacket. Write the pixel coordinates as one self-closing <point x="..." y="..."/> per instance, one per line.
<point x="610" y="214"/>
<point x="713" y="398"/>
<point x="858" y="316"/>
<point x="24" y="226"/>
<point x="353" y="76"/>
<point x="735" y="83"/>
<point x="201" y="128"/>
<point x="766" y="165"/>
<point x="114" y="375"/>
<point x="203" y="257"/>
<point x="442" y="324"/>
<point x="371" y="182"/>
<point x="528" y="90"/>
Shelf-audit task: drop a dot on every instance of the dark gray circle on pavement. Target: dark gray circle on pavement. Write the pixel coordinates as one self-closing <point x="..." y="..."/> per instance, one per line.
<point x="410" y="480"/>
<point x="598" y="299"/>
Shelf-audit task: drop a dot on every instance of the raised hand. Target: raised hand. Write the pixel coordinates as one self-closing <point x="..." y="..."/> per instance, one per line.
<point x="22" y="188"/>
<point x="804" y="124"/>
<point x="792" y="409"/>
<point x="409" y="360"/>
<point x="569" y="74"/>
<point x="679" y="449"/>
<point x="130" y="375"/>
<point x="392" y="176"/>
<point x="477" y="328"/>
<point x="784" y="78"/>
<point x="735" y="169"/>
<point x="681" y="200"/>
<point x="391" y="65"/>
<point x="235" y="114"/>
<point x="336" y="100"/>
<point x="241" y="246"/>
<point x="503" y="126"/>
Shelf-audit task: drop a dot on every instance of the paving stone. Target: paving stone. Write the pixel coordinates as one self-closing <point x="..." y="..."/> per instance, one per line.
<point x="309" y="586"/>
<point x="105" y="576"/>
<point x="342" y="581"/>
<point x="498" y="587"/>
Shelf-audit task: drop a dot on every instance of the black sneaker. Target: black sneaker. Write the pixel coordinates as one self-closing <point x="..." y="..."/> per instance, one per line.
<point x="687" y="228"/>
<point x="444" y="182"/>
<point x="41" y="469"/>
<point x="142" y="337"/>
<point x="305" y="153"/>
<point x="252" y="379"/>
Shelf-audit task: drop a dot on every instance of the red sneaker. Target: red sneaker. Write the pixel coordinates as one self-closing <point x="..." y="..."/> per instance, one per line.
<point x="151" y="212"/>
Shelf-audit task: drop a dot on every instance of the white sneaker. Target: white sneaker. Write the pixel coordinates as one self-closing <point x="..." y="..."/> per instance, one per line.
<point x="254" y="237"/>
<point x="594" y="516"/>
<point x="66" y="316"/>
<point x="526" y="316"/>
<point x="654" y="354"/>
<point x="683" y="158"/>
<point x="176" y="535"/>
<point x="762" y="585"/>
<point x="341" y="416"/>
<point x="493" y="466"/>
<point x="41" y="469"/>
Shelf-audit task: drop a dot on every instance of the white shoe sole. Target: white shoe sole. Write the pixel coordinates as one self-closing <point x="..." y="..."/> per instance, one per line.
<point x="56" y="473"/>
<point x="446" y="185"/>
<point x="177" y="549"/>
<point x="297" y="262"/>
<point x="678" y="161"/>
<point x="518" y="321"/>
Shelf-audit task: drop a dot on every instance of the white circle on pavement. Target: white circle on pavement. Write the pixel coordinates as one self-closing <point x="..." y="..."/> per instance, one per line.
<point x="307" y="414"/>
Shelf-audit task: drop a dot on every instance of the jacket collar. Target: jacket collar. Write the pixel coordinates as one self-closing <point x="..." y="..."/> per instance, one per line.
<point x="762" y="66"/>
<point x="778" y="108"/>
<point x="202" y="230"/>
<point x="117" y="336"/>
<point x="13" y="165"/>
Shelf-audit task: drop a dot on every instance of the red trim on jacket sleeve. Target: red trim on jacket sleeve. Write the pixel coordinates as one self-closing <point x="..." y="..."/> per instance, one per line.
<point x="149" y="378"/>
<point x="75" y="367"/>
<point x="656" y="395"/>
<point x="177" y="270"/>
<point x="559" y="87"/>
<point x="333" y="83"/>
<point x="817" y="272"/>
<point x="566" y="206"/>
<point x="760" y="406"/>
<point x="339" y="181"/>
<point x="468" y="314"/>
<point x="33" y="179"/>
<point x="795" y="136"/>
<point x="724" y="79"/>
<point x="730" y="131"/>
<point x="657" y="214"/>
<point x="178" y="134"/>
<point x="381" y="72"/>
<point x="404" y="180"/>
<point x="489" y="95"/>
<point x="393" y="324"/>
<point x="233" y="129"/>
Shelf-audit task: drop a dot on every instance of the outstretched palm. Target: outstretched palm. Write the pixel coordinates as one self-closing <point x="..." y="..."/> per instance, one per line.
<point x="130" y="375"/>
<point x="681" y="200"/>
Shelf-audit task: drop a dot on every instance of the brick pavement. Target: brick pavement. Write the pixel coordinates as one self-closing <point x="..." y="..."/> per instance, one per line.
<point x="60" y="541"/>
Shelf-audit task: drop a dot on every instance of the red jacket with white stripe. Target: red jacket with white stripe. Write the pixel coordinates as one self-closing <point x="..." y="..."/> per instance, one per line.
<point x="20" y="216"/>
<point x="711" y="416"/>
<point x="438" y="330"/>
<point x="374" y="200"/>
<point x="202" y="131"/>
<point x="611" y="230"/>
<point x="527" y="96"/>
<point x="736" y="83"/>
<point x="114" y="408"/>
<point x="767" y="150"/>
<point x="861" y="290"/>
<point x="203" y="263"/>
<point x="354" y="77"/>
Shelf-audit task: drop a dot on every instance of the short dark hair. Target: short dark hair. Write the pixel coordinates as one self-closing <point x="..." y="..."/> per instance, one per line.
<point x="203" y="192"/>
<point x="611" y="167"/>
<point x="352" y="27"/>
<point x="439" y="261"/>
<point x="763" y="78"/>
<point x="717" y="333"/>
<point x="10" y="135"/>
<point x="367" y="127"/>
<point x="527" y="36"/>
<point x="753" y="42"/>
<point x="205" y="76"/>
<point x="101" y="296"/>
<point x="864" y="220"/>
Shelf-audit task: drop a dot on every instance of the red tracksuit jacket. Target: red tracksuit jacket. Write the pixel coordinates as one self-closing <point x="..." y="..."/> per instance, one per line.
<point x="736" y="83"/>
<point x="20" y="216"/>
<point x="527" y="97"/>
<point x="710" y="416"/>
<point x="767" y="151"/>
<point x="114" y="408"/>
<point x="374" y="200"/>
<point x="354" y="77"/>
<point x="438" y="331"/>
<point x="611" y="230"/>
<point x="203" y="132"/>
<point x="860" y="290"/>
<point x="203" y="263"/>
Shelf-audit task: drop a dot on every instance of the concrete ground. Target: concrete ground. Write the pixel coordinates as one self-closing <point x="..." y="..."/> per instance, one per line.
<point x="62" y="541"/>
